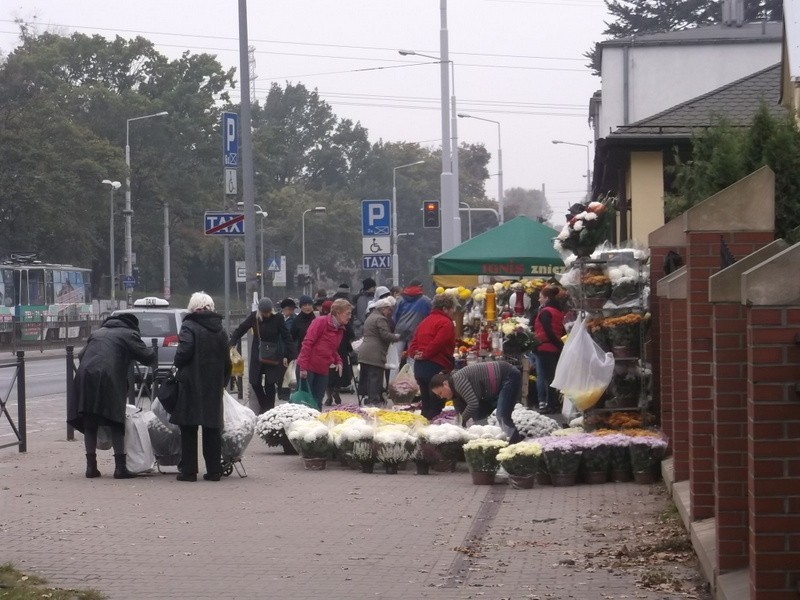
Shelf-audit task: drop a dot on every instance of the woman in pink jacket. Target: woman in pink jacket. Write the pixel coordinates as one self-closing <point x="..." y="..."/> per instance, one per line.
<point x="320" y="349"/>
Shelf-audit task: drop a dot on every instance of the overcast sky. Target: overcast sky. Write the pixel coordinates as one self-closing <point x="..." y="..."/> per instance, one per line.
<point x="516" y="61"/>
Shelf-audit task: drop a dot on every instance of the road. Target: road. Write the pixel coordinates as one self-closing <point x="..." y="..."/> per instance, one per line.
<point x="43" y="377"/>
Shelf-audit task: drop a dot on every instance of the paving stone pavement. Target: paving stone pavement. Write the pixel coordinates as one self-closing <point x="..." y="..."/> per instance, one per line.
<point x="287" y="532"/>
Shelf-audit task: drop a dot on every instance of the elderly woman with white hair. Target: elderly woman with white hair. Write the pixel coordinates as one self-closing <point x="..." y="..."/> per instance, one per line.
<point x="204" y="366"/>
<point x="378" y="337"/>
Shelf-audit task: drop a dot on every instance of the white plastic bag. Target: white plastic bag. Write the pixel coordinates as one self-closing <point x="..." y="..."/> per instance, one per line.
<point x="584" y="370"/>
<point x="290" y="377"/>
<point x="164" y="436"/>
<point x="139" y="450"/>
<point x="238" y="427"/>
<point x="393" y="356"/>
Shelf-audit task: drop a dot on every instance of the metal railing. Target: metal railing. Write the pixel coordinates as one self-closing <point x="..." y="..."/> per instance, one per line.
<point x="45" y="332"/>
<point x="20" y="429"/>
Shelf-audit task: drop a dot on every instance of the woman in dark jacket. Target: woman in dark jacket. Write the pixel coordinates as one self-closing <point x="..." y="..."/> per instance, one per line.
<point x="101" y="387"/>
<point x="432" y="349"/>
<point x="548" y="329"/>
<point x="204" y="366"/>
<point x="300" y="325"/>
<point x="378" y="337"/>
<point x="268" y="327"/>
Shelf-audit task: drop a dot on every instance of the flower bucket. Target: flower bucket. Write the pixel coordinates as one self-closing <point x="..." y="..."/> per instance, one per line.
<point x="315" y="464"/>
<point x="423" y="468"/>
<point x="594" y="477"/>
<point x="444" y="466"/>
<point x="367" y="467"/>
<point x="287" y="446"/>
<point x="390" y="468"/>
<point x="621" y="475"/>
<point x="483" y="477"/>
<point x="563" y="479"/>
<point x="543" y="478"/>
<point x="521" y="482"/>
<point x="644" y="477"/>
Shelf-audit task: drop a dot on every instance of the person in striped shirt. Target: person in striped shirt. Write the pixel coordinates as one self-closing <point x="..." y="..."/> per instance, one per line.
<point x="476" y="390"/>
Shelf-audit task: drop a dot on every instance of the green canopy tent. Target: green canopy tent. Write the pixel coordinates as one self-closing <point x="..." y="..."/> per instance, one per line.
<point x="520" y="248"/>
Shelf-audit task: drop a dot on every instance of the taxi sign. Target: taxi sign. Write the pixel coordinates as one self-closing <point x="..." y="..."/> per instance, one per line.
<point x="151" y="302"/>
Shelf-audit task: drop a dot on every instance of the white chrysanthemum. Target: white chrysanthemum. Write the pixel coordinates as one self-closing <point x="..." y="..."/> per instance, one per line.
<point x="577" y="225"/>
<point x="492" y="432"/>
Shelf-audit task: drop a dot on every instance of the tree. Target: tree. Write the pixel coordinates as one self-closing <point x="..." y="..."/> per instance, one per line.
<point x="528" y="203"/>
<point x="637" y="17"/>
<point x="724" y="154"/>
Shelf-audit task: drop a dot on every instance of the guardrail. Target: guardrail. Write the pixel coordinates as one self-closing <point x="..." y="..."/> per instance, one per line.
<point x="45" y="333"/>
<point x="20" y="429"/>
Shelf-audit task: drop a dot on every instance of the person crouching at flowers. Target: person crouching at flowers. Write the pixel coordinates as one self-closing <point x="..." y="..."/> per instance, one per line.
<point x="476" y="390"/>
<point x="320" y="348"/>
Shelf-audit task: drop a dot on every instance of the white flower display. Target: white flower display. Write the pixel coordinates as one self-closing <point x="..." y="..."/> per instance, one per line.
<point x="485" y="444"/>
<point x="486" y="432"/>
<point x="529" y="422"/>
<point x="623" y="274"/>
<point x="352" y="430"/>
<point x="391" y="434"/>
<point x="271" y="425"/>
<point x="307" y="430"/>
<point x="443" y="433"/>
<point x="568" y="431"/>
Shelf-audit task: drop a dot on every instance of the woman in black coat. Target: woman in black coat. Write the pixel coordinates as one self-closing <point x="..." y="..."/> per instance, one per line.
<point x="204" y="366"/>
<point x="268" y="327"/>
<point x="101" y="387"/>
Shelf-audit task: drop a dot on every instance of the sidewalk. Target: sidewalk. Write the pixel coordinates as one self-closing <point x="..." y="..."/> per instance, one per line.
<point x="287" y="532"/>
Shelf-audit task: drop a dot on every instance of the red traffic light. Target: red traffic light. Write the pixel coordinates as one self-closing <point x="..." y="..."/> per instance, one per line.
<point x="430" y="215"/>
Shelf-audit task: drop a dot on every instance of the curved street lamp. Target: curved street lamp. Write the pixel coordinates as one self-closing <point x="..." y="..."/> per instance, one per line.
<point x="114" y="186"/>
<point x="316" y="209"/>
<point x="499" y="163"/>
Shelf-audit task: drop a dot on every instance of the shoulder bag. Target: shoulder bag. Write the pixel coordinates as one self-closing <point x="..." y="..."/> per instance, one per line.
<point x="269" y="353"/>
<point x="168" y="392"/>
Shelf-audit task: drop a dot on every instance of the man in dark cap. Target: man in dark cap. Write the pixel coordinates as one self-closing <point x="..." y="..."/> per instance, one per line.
<point x="409" y="312"/>
<point x="342" y="292"/>
<point x="364" y="297"/>
<point x="288" y="306"/>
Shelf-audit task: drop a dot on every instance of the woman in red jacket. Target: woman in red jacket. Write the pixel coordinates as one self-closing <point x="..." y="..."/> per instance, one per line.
<point x="320" y="349"/>
<point x="549" y="329"/>
<point x="432" y="350"/>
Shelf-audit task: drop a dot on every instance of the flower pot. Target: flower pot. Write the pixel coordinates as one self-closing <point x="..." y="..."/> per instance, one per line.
<point x="367" y="467"/>
<point x="644" y="477"/>
<point x="483" y="477"/>
<point x="402" y="465"/>
<point x="390" y="468"/>
<point x="315" y="464"/>
<point x="445" y="466"/>
<point x="564" y="479"/>
<point x="621" y="475"/>
<point x="593" y="477"/>
<point x="521" y="482"/>
<point x="423" y="468"/>
<point x="543" y="478"/>
<point x="287" y="447"/>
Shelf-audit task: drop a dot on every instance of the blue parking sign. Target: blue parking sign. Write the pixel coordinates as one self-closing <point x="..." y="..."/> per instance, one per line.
<point x="376" y="217"/>
<point x="230" y="139"/>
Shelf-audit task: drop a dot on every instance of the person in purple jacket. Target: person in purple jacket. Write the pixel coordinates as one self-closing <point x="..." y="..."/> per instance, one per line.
<point x="320" y="349"/>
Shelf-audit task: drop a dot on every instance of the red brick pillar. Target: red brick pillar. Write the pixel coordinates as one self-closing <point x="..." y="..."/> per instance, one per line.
<point x="664" y="340"/>
<point x="680" y="391"/>
<point x="773" y="410"/>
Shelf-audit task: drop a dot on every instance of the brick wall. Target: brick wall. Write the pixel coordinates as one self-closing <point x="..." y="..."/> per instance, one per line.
<point x="666" y="369"/>
<point x="652" y="350"/>
<point x="680" y="391"/>
<point x="773" y="412"/>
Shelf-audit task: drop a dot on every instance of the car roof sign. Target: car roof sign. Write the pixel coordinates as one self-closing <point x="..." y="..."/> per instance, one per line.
<point x="151" y="302"/>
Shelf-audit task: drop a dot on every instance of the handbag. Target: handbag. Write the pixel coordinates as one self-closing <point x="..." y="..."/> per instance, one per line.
<point x="269" y="353"/>
<point x="168" y="392"/>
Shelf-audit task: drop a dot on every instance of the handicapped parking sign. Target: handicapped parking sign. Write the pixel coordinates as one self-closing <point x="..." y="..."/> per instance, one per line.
<point x="376" y="217"/>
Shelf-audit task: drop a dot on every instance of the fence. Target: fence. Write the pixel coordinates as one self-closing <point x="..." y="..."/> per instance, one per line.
<point x="20" y="429"/>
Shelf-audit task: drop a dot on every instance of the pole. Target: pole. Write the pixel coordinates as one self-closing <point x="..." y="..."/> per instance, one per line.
<point x="449" y="212"/>
<point x="305" y="275"/>
<point x="111" y="252"/>
<point x="128" y="212"/>
<point x="167" y="274"/>
<point x="469" y="216"/>
<point x="454" y="153"/>
<point x="588" y="176"/>
<point x="500" y="176"/>
<point x="261" y="267"/>
<point x="248" y="184"/>
<point x="395" y="258"/>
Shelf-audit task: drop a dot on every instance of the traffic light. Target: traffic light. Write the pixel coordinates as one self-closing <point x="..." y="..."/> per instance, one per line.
<point x="430" y="214"/>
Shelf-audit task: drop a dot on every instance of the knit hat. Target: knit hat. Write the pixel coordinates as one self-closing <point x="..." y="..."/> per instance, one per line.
<point x="288" y="303"/>
<point x="382" y="292"/>
<point x="129" y="319"/>
<point x="343" y="287"/>
<point x="368" y="283"/>
<point x="388" y="301"/>
<point x="414" y="282"/>
<point x="265" y="305"/>
<point x="305" y="300"/>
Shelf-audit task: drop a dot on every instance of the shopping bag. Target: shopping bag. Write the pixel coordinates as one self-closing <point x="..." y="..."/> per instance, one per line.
<point x="164" y="436"/>
<point x="393" y="356"/>
<point x="303" y="395"/>
<point x="140" y="457"/>
<point x="290" y="377"/>
<point x="104" y="437"/>
<point x="584" y="370"/>
<point x="238" y="426"/>
<point x="237" y="363"/>
<point x="404" y="387"/>
<point x="168" y="391"/>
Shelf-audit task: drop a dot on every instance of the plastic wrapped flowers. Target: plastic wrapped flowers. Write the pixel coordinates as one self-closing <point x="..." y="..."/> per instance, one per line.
<point x="237" y="427"/>
<point x="311" y="438"/>
<point x="270" y="426"/>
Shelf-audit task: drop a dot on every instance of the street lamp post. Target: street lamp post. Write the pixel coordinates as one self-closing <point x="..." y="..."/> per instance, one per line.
<point x="114" y="186"/>
<point x="128" y="212"/>
<point x="500" y="201"/>
<point x="588" y="165"/>
<point x="316" y="209"/>
<point x="395" y="265"/>
<point x="456" y="219"/>
<point x="469" y="216"/>
<point x="263" y="214"/>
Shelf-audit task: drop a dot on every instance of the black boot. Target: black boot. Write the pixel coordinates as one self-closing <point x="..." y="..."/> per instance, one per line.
<point x="120" y="469"/>
<point x="328" y="400"/>
<point x="91" y="465"/>
<point x="336" y="397"/>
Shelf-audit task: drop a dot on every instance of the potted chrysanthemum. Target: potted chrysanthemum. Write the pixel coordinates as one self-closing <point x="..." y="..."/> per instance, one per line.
<point x="481" y="457"/>
<point x="562" y="456"/>
<point x="595" y="459"/>
<point x="647" y="452"/>
<point x="521" y="463"/>
<point x="390" y="446"/>
<point x="347" y="434"/>
<point x="447" y="439"/>
<point x="271" y="426"/>
<point x="313" y="441"/>
<point x="619" y="454"/>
